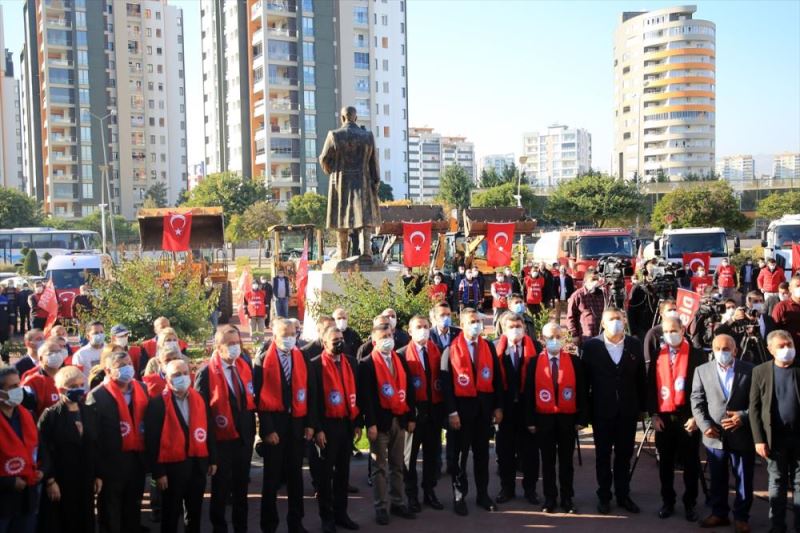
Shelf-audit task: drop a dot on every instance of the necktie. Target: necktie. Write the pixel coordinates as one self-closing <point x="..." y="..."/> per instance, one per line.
<point x="472" y="349"/>
<point x="287" y="370"/>
<point x="515" y="357"/>
<point x="388" y="360"/>
<point x="554" y="372"/>
<point x="423" y="359"/>
<point x="237" y="393"/>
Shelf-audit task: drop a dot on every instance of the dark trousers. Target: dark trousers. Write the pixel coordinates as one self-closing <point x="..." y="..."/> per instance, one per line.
<point x="474" y="434"/>
<point x="186" y="482"/>
<point x="428" y="436"/>
<point x="38" y="323"/>
<point x="231" y="480"/>
<point x="73" y="513"/>
<point x="517" y="447"/>
<point x="674" y="443"/>
<point x="617" y="435"/>
<point x="333" y="474"/>
<point x="556" y="436"/>
<point x="24" y="320"/>
<point x="286" y="457"/>
<point x="119" y="506"/>
<point x="783" y="466"/>
<point x="720" y="462"/>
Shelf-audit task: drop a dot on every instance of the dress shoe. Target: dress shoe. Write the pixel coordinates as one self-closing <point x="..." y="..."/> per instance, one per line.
<point x="741" y="527"/>
<point x="432" y="501"/>
<point x="691" y="514"/>
<point x="569" y="506"/>
<point x="347" y="523"/>
<point x="382" y="517"/>
<point x="666" y="511"/>
<point x="714" y="521"/>
<point x="549" y="507"/>
<point x="487" y="503"/>
<point x="505" y="496"/>
<point x="402" y="511"/>
<point x="628" y="504"/>
<point x="460" y="507"/>
<point x="532" y="498"/>
<point x="603" y="507"/>
<point x="414" y="506"/>
<point x="328" y="527"/>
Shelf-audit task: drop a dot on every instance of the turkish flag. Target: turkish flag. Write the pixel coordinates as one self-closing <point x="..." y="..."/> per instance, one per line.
<point x="416" y="243"/>
<point x="301" y="282"/>
<point x="688" y="303"/>
<point x="697" y="259"/>
<point x="500" y="239"/>
<point x="245" y="281"/>
<point x="795" y="257"/>
<point x="49" y="302"/>
<point x="177" y="232"/>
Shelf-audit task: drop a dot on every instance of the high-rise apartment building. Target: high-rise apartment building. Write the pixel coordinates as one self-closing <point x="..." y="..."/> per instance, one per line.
<point x="104" y="95"/>
<point x="276" y="73"/>
<point x="786" y="166"/>
<point x="664" y="94"/>
<point x="429" y="154"/>
<point x="10" y="123"/>
<point x="497" y="162"/>
<point x="559" y="153"/>
<point x="736" y="167"/>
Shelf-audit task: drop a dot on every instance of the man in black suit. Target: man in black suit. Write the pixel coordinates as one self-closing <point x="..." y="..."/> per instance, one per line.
<point x="720" y="401"/>
<point x="563" y="287"/>
<point x="669" y="384"/>
<point x="775" y="421"/>
<point x="401" y="338"/>
<point x="284" y="389"/>
<point x="315" y="347"/>
<point x="654" y="337"/>
<point x="616" y="377"/>
<point x="226" y="384"/>
<point x="748" y="274"/>
<point x="32" y="339"/>
<point x="351" y="339"/>
<point x="365" y="350"/>
<point x="443" y="332"/>
<point x="116" y="413"/>
<point x="473" y="399"/>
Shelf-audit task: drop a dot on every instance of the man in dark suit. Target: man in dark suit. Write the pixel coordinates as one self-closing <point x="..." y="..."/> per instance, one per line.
<point x="32" y="339"/>
<point x="654" y="337"/>
<point x="775" y="421"/>
<point x="473" y="399"/>
<point x="284" y="390"/>
<point x="616" y="377"/>
<point x="365" y="350"/>
<point x="226" y="384"/>
<point x="281" y="291"/>
<point x="563" y="287"/>
<point x="314" y="348"/>
<point x="401" y="338"/>
<point x="669" y="383"/>
<point x="351" y="339"/>
<point x="720" y="401"/>
<point x="748" y="274"/>
<point x="443" y="332"/>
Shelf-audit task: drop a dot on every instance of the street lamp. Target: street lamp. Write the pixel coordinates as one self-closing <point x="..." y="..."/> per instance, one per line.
<point x="522" y="160"/>
<point x="105" y="186"/>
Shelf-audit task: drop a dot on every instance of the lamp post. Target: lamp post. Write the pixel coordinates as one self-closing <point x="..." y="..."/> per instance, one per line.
<point x="522" y="160"/>
<point x="105" y="186"/>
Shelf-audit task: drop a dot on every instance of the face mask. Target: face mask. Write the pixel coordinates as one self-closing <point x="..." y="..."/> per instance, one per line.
<point x="757" y="307"/>
<point x="615" y="327"/>
<point x="553" y="346"/>
<point x="534" y="274"/>
<point x="475" y="329"/>
<point x="785" y="355"/>
<point x="673" y="313"/>
<point x="508" y="274"/>
<point x="519" y="308"/>
<point x="727" y="315"/>
<point x="234" y="351"/>
<point x="421" y="335"/>
<point x="590" y="285"/>
<point x="723" y="357"/>
<point x="287" y="343"/>
<point x="771" y="268"/>
<point x="181" y="383"/>
<point x="724" y="263"/>
<point x="796" y="292"/>
<point x="121" y="341"/>
<point x="393" y="321"/>
<point x="75" y="395"/>
<point x="437" y="280"/>
<point x="39" y="290"/>
<point x="337" y="347"/>
<point x="255" y="286"/>
<point x="500" y="279"/>
<point x="469" y="276"/>
<point x="749" y="262"/>
<point x="172" y="345"/>
<point x="386" y="345"/>
<point x="98" y="339"/>
<point x="783" y="296"/>
<point x="125" y="374"/>
<point x="341" y="324"/>
<point x="701" y="273"/>
<point x="673" y="338"/>
<point x="445" y="321"/>
<point x="15" y="397"/>
<point x="514" y="334"/>
<point x="54" y="360"/>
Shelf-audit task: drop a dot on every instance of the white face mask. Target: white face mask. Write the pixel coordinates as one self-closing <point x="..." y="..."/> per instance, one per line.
<point x="15" y="397"/>
<point x="121" y="341"/>
<point x="758" y="307"/>
<point x="98" y="339"/>
<point x="181" y="383"/>
<point x="288" y="343"/>
<point x="234" y="351"/>
<point x="723" y="357"/>
<point x="701" y="273"/>
<point x="386" y="345"/>
<point x="421" y="335"/>
<point x="171" y="345"/>
<point x="615" y="326"/>
<point x="535" y="274"/>
<point x="783" y="296"/>
<point x="553" y="346"/>
<point x="341" y="324"/>
<point x="785" y="355"/>
<point x="514" y="334"/>
<point x="54" y="360"/>
<point x="673" y="338"/>
<point x="590" y="285"/>
<point x="475" y="329"/>
<point x="500" y="279"/>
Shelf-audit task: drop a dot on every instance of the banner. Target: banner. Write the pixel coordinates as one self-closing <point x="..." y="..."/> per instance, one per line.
<point x="49" y="302"/>
<point x="695" y="260"/>
<point x="500" y="243"/>
<point x="795" y="257"/>
<point x="177" y="232"/>
<point x="688" y="303"/>
<point x="301" y="282"/>
<point x="416" y="243"/>
<point x="245" y="280"/>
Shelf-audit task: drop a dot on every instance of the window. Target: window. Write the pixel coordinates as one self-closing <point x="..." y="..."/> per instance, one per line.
<point x="87" y="190"/>
<point x="152" y="139"/>
<point x="310" y="123"/>
<point x="385" y="20"/>
<point x="386" y="87"/>
<point x="80" y="38"/>
<point x="149" y="50"/>
<point x="361" y="60"/>
<point x="86" y="134"/>
<point x="308" y="27"/>
<point x="308" y="51"/>
<point x="309" y="100"/>
<point x="86" y="153"/>
<point x="385" y="42"/>
<point x="402" y="27"/>
<point x="150" y="68"/>
<point x="362" y="84"/>
<point x="152" y="121"/>
<point x="308" y="5"/>
<point x="160" y="70"/>
<point x="308" y="75"/>
<point x="311" y="147"/>
<point x="385" y="109"/>
<point x="386" y="65"/>
<point x="83" y="96"/>
<point x="80" y="19"/>
<point x="148" y="32"/>
<point x="360" y="40"/>
<point x="158" y="15"/>
<point x="83" y="76"/>
<point x="83" y="58"/>
<point x="386" y="131"/>
<point x="403" y="71"/>
<point x="360" y="15"/>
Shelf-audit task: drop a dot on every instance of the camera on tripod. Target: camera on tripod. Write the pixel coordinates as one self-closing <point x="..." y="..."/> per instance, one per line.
<point x="664" y="279"/>
<point x="613" y="270"/>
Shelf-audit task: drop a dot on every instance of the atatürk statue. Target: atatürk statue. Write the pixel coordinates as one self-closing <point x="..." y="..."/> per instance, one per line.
<point x="350" y="159"/>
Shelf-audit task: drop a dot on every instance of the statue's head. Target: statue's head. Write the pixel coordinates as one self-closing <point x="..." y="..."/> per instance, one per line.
<point x="348" y="114"/>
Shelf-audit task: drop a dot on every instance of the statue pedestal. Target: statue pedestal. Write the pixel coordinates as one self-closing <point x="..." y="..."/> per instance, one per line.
<point x="330" y="282"/>
<point x="356" y="263"/>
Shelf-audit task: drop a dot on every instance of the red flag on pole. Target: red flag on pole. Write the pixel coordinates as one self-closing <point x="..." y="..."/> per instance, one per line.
<point x="177" y="232"/>
<point x="301" y="282"/>
<point x="695" y="260"/>
<point x="795" y="257"/>
<point x="688" y="303"/>
<point x="245" y="280"/>
<point x="49" y="302"/>
<point x="500" y="240"/>
<point x="416" y="243"/>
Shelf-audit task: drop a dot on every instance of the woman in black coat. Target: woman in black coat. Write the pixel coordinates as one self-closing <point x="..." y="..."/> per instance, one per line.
<point x="67" y="503"/>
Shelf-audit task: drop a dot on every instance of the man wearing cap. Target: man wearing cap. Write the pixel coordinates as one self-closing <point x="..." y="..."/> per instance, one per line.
<point x="120" y="335"/>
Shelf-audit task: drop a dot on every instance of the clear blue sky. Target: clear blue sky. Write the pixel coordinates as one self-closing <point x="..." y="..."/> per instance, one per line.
<point x="491" y="70"/>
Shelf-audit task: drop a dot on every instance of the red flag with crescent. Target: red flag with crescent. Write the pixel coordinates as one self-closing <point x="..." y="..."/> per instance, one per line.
<point x="245" y="281"/>
<point x="795" y="257"/>
<point x="500" y="240"/>
<point x="177" y="232"/>
<point x="416" y="243"/>
<point x="49" y="302"/>
<point x="301" y="282"/>
<point x="695" y="260"/>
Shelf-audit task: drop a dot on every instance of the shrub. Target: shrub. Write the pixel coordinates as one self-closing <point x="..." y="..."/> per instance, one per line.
<point x="31" y="264"/>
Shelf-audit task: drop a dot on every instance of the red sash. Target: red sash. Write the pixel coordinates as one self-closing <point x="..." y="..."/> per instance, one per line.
<point x="131" y="429"/>
<point x="726" y="277"/>
<point x="503" y="291"/>
<point x="461" y="363"/>
<point x="173" y="441"/>
<point x="528" y="352"/>
<point x="391" y="389"/>
<point x="340" y="394"/>
<point x="155" y="384"/>
<point x="535" y="287"/>
<point x="18" y="456"/>
<point x="418" y="378"/>
<point x="43" y="386"/>
<point x="271" y="399"/>
<point x="566" y="402"/>
<point x="219" y="399"/>
<point x="671" y="382"/>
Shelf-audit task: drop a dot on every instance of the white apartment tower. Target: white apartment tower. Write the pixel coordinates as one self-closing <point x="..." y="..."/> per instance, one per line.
<point x="429" y="154"/>
<point x="10" y="123"/>
<point x="497" y="162"/>
<point x="736" y="168"/>
<point x="664" y="94"/>
<point x="786" y="166"/>
<point x="559" y="153"/>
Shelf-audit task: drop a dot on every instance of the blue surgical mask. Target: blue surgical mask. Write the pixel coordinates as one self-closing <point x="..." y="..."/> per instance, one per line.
<point x="76" y="394"/>
<point x="234" y="351"/>
<point x="181" y="383"/>
<point x="519" y="308"/>
<point x="475" y="329"/>
<point x="723" y="357"/>
<point x="287" y="343"/>
<point x="553" y="346"/>
<point x="126" y="374"/>
<point x="446" y="321"/>
<point x="98" y="339"/>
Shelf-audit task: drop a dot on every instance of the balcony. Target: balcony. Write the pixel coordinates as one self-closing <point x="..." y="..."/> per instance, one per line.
<point x="255" y="10"/>
<point x="283" y="104"/>
<point x="59" y="22"/>
<point x="258" y="36"/>
<point x="58" y="5"/>
<point x="286" y="33"/>
<point x="284" y="130"/>
<point x="63" y="177"/>
<point x="53" y="62"/>
<point x="284" y="154"/>
<point x="278" y="6"/>
<point x="280" y="81"/>
<point x="259" y="108"/>
<point x="61" y="119"/>
<point x="62" y="139"/>
<point x="283" y="180"/>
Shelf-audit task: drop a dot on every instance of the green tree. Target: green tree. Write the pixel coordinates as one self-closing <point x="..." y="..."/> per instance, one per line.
<point x="227" y="190"/>
<point x="504" y="196"/>
<point x="455" y="188"/>
<point x="510" y="173"/>
<point x="234" y="233"/>
<point x="385" y="192"/>
<point x="595" y="198"/>
<point x="17" y="209"/>
<point x="308" y="208"/>
<point x="703" y="205"/>
<point x="256" y="220"/>
<point x="30" y="264"/>
<point x="778" y="204"/>
<point x="124" y="230"/>
<point x="490" y="178"/>
<point x="157" y="194"/>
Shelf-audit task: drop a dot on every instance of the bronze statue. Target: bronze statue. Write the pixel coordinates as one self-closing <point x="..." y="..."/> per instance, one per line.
<point x="350" y="159"/>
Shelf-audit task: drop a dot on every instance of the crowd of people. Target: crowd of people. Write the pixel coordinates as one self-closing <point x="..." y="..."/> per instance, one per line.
<point x="85" y="430"/>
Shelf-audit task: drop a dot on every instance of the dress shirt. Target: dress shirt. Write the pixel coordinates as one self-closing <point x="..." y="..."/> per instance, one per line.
<point x="726" y="378"/>
<point x="444" y="335"/>
<point x="614" y="350"/>
<point x="285" y="357"/>
<point x="471" y="345"/>
<point x="183" y="407"/>
<point x="423" y="360"/>
<point x="563" y="292"/>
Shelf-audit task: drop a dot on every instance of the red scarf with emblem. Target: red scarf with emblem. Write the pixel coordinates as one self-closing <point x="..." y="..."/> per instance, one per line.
<point x="528" y="352"/>
<point x="131" y="428"/>
<point x="271" y="399"/>
<point x="219" y="396"/>
<point x="339" y="390"/>
<point x="18" y="456"/>
<point x="418" y="378"/>
<point x="671" y="378"/>
<point x="461" y="364"/>
<point x="43" y="386"/>
<point x="173" y="441"/>
<point x="565" y="403"/>
<point x="391" y="389"/>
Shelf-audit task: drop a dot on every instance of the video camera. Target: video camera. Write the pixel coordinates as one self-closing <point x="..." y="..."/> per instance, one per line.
<point x="613" y="270"/>
<point x="664" y="279"/>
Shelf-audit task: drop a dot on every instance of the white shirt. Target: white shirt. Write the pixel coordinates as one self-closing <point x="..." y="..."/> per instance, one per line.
<point x="444" y="336"/>
<point x="86" y="358"/>
<point x="673" y="354"/>
<point x="726" y="378"/>
<point x="422" y="360"/>
<point x="615" y="350"/>
<point x="226" y="369"/>
<point x="761" y="326"/>
<point x="563" y="281"/>
<point x="183" y="407"/>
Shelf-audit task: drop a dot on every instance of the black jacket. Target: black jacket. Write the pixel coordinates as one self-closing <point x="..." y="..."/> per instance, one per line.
<point x="243" y="421"/>
<point x="615" y="391"/>
<point x="315" y="366"/>
<point x="281" y="422"/>
<point x="514" y="377"/>
<point x="454" y="332"/>
<point x="696" y="358"/>
<point x="483" y="405"/>
<point x="369" y="400"/>
<point x="425" y="409"/>
<point x="13" y="502"/>
<point x="351" y="342"/>
<point x="24" y="364"/>
<point x="569" y="284"/>
<point x="545" y="422"/>
<point x="761" y="394"/>
<point x="312" y="349"/>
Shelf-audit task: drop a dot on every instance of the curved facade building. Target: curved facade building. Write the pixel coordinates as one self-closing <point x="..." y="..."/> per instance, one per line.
<point x="664" y="95"/>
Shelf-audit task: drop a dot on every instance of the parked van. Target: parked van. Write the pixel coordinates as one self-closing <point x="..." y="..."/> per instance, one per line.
<point x="68" y="272"/>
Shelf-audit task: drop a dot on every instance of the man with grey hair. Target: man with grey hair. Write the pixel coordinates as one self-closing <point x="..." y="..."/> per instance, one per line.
<point x="352" y="341"/>
<point x="39" y="382"/>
